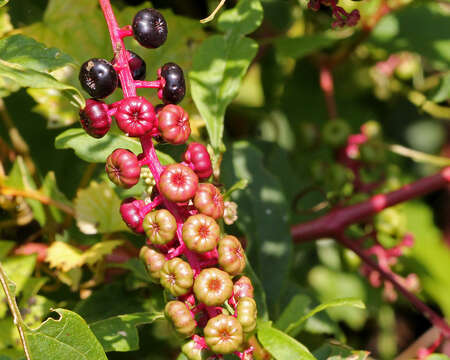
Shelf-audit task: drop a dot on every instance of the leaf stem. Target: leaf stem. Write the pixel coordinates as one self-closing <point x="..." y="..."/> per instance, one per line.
<point x="18" y="321"/>
<point x="214" y="13"/>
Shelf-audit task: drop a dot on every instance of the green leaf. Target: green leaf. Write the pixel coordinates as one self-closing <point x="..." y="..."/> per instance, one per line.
<point x="3" y="2"/>
<point x="296" y="308"/>
<point x="97" y="150"/>
<point x="5" y="248"/>
<point x="69" y="337"/>
<point x="335" y="303"/>
<point x="119" y="333"/>
<point x="31" y="54"/>
<point x="217" y="71"/>
<point x="243" y="19"/>
<point x="280" y="345"/>
<point x="50" y="188"/>
<point x="262" y="216"/>
<point x="444" y="90"/>
<point x="259" y="293"/>
<point x="437" y="357"/>
<point x="137" y="267"/>
<point x="336" y="351"/>
<point x="305" y="45"/>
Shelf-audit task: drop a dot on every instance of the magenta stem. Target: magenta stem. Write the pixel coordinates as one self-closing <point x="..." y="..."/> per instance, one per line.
<point x="147" y="84"/>
<point x="126" y="31"/>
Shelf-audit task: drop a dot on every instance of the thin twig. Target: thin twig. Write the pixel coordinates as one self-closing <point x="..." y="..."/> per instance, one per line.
<point x="214" y="13"/>
<point x="419" y="156"/>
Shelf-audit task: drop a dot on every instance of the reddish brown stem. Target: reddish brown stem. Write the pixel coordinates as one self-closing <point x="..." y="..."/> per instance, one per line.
<point x="335" y="222"/>
<point x="327" y="86"/>
<point x="434" y="318"/>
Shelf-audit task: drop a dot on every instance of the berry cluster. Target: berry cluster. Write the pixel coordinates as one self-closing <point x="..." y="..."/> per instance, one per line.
<point x="342" y="17"/>
<point x="186" y="252"/>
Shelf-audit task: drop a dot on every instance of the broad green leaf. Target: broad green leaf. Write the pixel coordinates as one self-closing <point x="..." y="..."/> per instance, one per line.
<point x="29" y="53"/>
<point x="50" y="188"/>
<point x="217" y="71"/>
<point x="120" y="333"/>
<point x="97" y="150"/>
<point x="69" y="337"/>
<point x="262" y="216"/>
<point x="5" y="248"/>
<point x="305" y="45"/>
<point x="243" y="19"/>
<point x="20" y="178"/>
<point x="137" y="267"/>
<point x="280" y="345"/>
<point x="335" y="303"/>
<point x="97" y="209"/>
<point x="336" y="351"/>
<point x="296" y="308"/>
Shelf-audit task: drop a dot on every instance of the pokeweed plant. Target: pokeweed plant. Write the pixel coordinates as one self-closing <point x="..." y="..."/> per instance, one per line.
<point x="205" y="288"/>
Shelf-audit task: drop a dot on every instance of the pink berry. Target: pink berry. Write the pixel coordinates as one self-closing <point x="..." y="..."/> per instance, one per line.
<point x="209" y="201"/>
<point x="94" y="118"/>
<point x="178" y="183"/>
<point x="129" y="209"/>
<point x="173" y="124"/>
<point x="135" y="116"/>
<point x="123" y="169"/>
<point x="198" y="159"/>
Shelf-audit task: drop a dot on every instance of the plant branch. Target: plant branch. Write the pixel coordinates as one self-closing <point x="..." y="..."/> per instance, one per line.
<point x="335" y="222"/>
<point x="18" y="321"/>
<point x="419" y="156"/>
<point x="422" y="307"/>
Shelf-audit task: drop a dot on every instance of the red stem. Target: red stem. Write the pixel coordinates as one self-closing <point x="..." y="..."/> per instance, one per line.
<point x="327" y="86"/>
<point x="335" y="222"/>
<point x="422" y="307"/>
<point x="147" y="84"/>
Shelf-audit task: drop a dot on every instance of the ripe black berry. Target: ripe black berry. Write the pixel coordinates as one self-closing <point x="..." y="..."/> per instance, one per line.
<point x="137" y="66"/>
<point x="98" y="78"/>
<point x="174" y="88"/>
<point x="149" y="28"/>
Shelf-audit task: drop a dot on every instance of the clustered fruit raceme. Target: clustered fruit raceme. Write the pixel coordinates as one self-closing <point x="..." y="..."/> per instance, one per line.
<point x="342" y="17"/>
<point x="186" y="252"/>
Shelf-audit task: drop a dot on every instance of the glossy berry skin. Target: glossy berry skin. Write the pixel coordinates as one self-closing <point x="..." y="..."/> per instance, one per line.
<point x="209" y="201"/>
<point x="201" y="233"/>
<point x="213" y="287"/>
<point x="198" y="159"/>
<point x="94" y="118"/>
<point x="129" y="209"/>
<point x="193" y="352"/>
<point x="153" y="261"/>
<point x="149" y="28"/>
<point x="231" y="255"/>
<point x="177" y="276"/>
<point x="135" y="116"/>
<point x="173" y="124"/>
<point x="243" y="288"/>
<point x="138" y="67"/>
<point x="223" y="334"/>
<point x="247" y="314"/>
<point x="160" y="226"/>
<point x="174" y="87"/>
<point x="98" y="78"/>
<point x="123" y="169"/>
<point x="180" y="317"/>
<point x="178" y="183"/>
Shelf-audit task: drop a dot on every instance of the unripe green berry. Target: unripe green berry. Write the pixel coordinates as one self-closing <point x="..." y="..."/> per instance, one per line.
<point x="231" y="255"/>
<point x="177" y="276"/>
<point x="209" y="201"/>
<point x="153" y="260"/>
<point x="336" y="132"/>
<point x="223" y="334"/>
<point x="243" y="288"/>
<point x="180" y="317"/>
<point x="193" y="352"/>
<point x="160" y="226"/>
<point x="201" y="233"/>
<point x="247" y="314"/>
<point x="213" y="287"/>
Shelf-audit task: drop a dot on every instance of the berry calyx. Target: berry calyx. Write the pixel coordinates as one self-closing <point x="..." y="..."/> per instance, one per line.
<point x="137" y="65"/>
<point x="160" y="226"/>
<point x="123" y="169"/>
<point x="98" y="78"/>
<point x="243" y="288"/>
<point x="209" y="201"/>
<point x="201" y="233"/>
<point x="223" y="334"/>
<point x="153" y="261"/>
<point x="174" y="86"/>
<point x="178" y="183"/>
<point x="198" y="159"/>
<point x="231" y="255"/>
<point x="135" y="116"/>
<point x="94" y="118"/>
<point x="177" y="276"/>
<point x="213" y="287"/>
<point x="173" y="124"/>
<point x="180" y="317"/>
<point x="247" y="314"/>
<point x="129" y="209"/>
<point x="149" y="28"/>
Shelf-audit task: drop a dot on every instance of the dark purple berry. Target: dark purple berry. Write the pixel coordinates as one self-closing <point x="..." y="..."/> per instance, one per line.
<point x="94" y="118"/>
<point x="98" y="77"/>
<point x="129" y="209"/>
<point x="135" y="116"/>
<point x="137" y="66"/>
<point x="174" y="87"/>
<point x="149" y="28"/>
